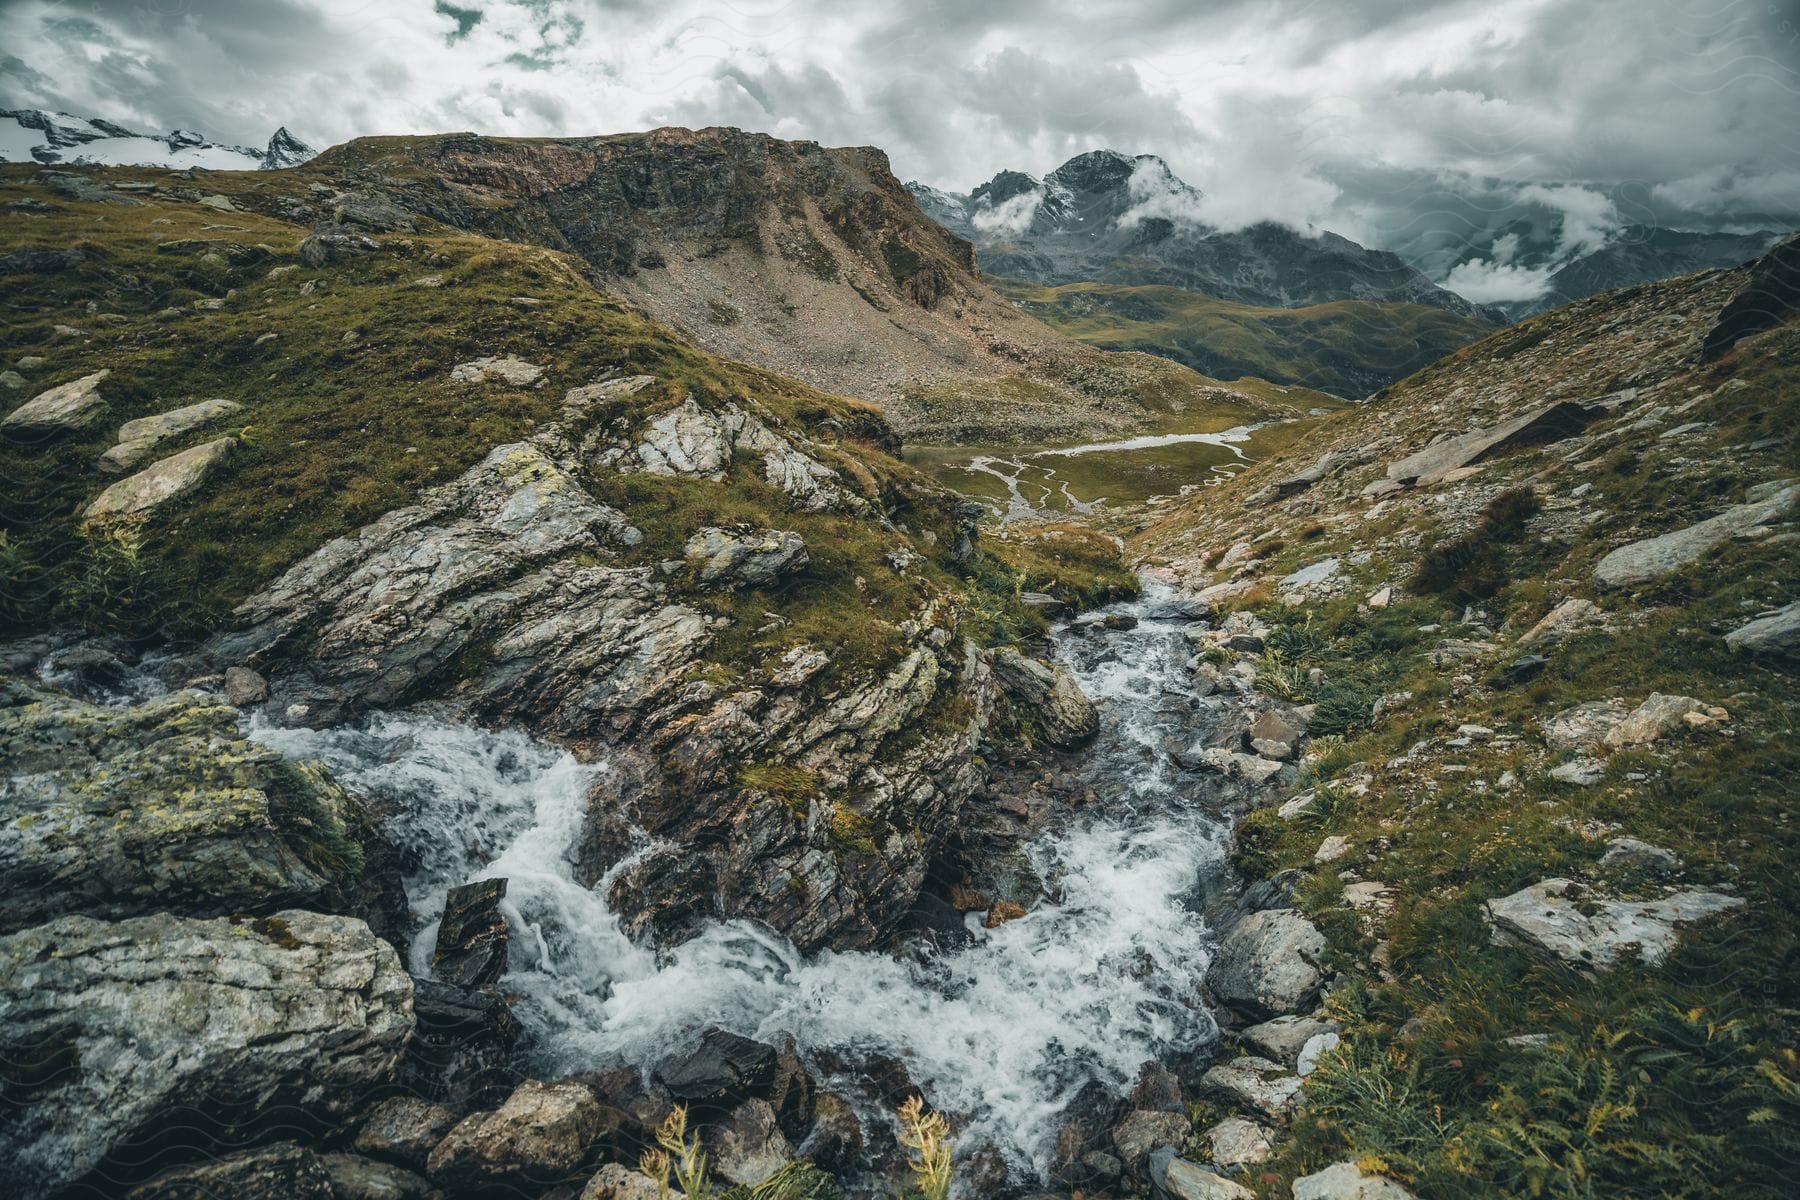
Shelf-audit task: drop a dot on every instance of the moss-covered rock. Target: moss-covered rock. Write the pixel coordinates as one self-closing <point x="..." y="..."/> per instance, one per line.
<point x="164" y="805"/>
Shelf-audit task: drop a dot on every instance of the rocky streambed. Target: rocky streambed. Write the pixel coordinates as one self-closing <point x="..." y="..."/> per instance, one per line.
<point x="1058" y="989"/>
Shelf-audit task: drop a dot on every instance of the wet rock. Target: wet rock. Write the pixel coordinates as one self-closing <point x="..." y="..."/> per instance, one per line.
<point x="404" y="1129"/>
<point x="1000" y="912"/>
<point x="137" y="439"/>
<point x="735" y="558"/>
<point x="1777" y="632"/>
<point x="1628" y="852"/>
<point x="835" y="1141"/>
<point x="515" y="371"/>
<point x="356" y="1178"/>
<point x="1283" y="1038"/>
<point x="462" y="1051"/>
<point x="1254" y="769"/>
<point x="1143" y="1130"/>
<point x="1551" y="423"/>
<point x="63" y="409"/>
<point x="1044" y="603"/>
<point x="111" y="811"/>
<point x="471" y="940"/>
<point x="748" y="1146"/>
<point x="615" y="1182"/>
<point x="1347" y="1181"/>
<point x="1267" y="965"/>
<point x="1049" y="693"/>
<point x="1657" y="557"/>
<point x="1157" y="1090"/>
<point x="283" y="1169"/>
<point x="1085" y="1128"/>
<point x="1583" y="726"/>
<point x="156" y="485"/>
<point x="540" y="1136"/>
<point x="1560" y="920"/>
<point x="1183" y="1180"/>
<point x="1236" y="1142"/>
<point x="1656" y="716"/>
<point x="1253" y="1083"/>
<point x="721" y="1068"/>
<point x="791" y="1089"/>
<point x="244" y="687"/>
<point x="294" y="1017"/>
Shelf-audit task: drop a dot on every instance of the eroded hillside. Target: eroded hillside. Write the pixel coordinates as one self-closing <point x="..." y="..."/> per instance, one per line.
<point x="810" y="261"/>
<point x="1537" y="607"/>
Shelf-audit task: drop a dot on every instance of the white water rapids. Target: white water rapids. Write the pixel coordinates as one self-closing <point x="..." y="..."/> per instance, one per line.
<point x="1003" y="1031"/>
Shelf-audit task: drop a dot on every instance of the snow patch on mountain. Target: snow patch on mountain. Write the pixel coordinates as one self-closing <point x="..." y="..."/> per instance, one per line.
<point x="34" y="135"/>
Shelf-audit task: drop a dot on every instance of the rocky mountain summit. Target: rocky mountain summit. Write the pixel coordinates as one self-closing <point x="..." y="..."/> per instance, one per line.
<point x="1106" y="217"/>
<point x="809" y="261"/>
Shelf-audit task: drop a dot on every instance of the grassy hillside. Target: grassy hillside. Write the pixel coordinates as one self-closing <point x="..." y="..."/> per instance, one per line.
<point x="1431" y="760"/>
<point x="349" y="410"/>
<point x="1350" y="347"/>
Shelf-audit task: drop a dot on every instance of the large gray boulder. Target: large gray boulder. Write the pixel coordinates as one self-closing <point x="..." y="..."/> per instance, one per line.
<point x="1776" y="632"/>
<point x="163" y="805"/>
<point x="1551" y="423"/>
<point x="540" y="1136"/>
<point x="162" y="481"/>
<point x="1347" y="1181"/>
<point x="1560" y="920"/>
<point x="1048" y="695"/>
<point x="137" y="439"/>
<point x="1183" y="1180"/>
<point x="1654" y="558"/>
<point x="128" y="1023"/>
<point x="284" y="1169"/>
<point x="63" y="409"/>
<point x="1252" y="1084"/>
<point x="1268" y="965"/>
<point x="735" y="558"/>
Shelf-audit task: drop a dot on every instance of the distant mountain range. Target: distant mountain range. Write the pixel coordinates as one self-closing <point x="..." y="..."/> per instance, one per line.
<point x="1536" y="251"/>
<point x="1106" y="217"/>
<point x="34" y="135"/>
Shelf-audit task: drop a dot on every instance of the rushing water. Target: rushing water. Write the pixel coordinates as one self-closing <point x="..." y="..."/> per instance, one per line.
<point x="1003" y="1030"/>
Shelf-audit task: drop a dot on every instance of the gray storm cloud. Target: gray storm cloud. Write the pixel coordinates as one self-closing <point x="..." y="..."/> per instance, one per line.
<point x="1398" y="122"/>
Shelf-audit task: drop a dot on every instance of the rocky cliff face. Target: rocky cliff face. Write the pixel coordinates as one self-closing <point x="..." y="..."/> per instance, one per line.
<point x="1105" y="217"/>
<point x="810" y="261"/>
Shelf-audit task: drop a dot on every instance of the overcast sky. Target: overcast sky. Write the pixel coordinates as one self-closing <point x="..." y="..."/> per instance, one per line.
<point x="1371" y="117"/>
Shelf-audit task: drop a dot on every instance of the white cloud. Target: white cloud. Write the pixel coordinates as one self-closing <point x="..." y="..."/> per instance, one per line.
<point x="1157" y="193"/>
<point x="1011" y="216"/>
<point x="1488" y="282"/>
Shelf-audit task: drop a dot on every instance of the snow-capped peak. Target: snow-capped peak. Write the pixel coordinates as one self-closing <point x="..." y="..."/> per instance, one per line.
<point x="33" y="135"/>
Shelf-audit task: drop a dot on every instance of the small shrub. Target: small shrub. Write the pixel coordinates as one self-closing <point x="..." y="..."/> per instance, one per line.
<point x="927" y="1135"/>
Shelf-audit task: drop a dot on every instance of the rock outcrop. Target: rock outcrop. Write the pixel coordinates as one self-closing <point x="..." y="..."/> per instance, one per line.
<point x="112" y="812"/>
<point x="1047" y="695"/>
<point x="1268" y="964"/>
<point x="126" y="1027"/>
<point x="139" y="438"/>
<point x="1654" y="558"/>
<point x="509" y="580"/>
<point x="540" y="1136"/>
<point x="63" y="409"/>
<point x="1561" y="920"/>
<point x="162" y="481"/>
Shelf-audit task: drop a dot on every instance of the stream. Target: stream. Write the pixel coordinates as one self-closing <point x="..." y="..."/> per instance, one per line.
<point x="1003" y="1031"/>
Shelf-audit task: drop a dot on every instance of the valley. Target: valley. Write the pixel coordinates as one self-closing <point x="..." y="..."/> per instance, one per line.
<point x="528" y="661"/>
